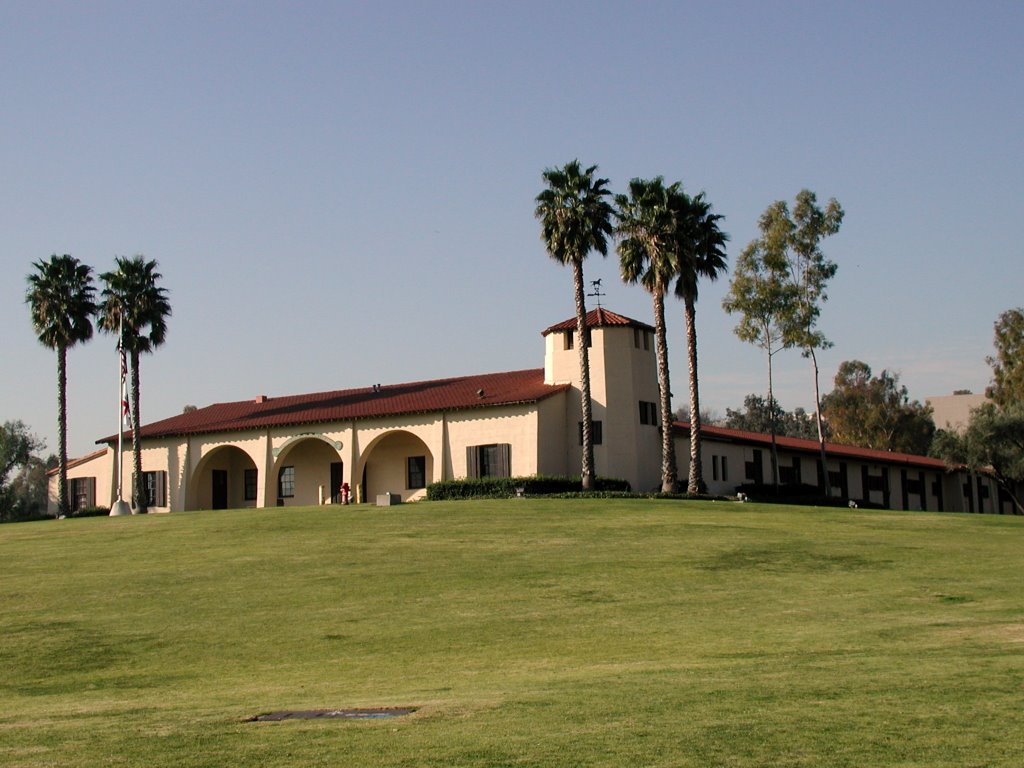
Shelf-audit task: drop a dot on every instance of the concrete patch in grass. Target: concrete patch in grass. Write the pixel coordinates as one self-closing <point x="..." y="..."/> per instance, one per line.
<point x="357" y="713"/>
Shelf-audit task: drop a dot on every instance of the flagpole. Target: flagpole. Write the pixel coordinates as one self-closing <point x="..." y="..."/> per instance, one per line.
<point x="120" y="507"/>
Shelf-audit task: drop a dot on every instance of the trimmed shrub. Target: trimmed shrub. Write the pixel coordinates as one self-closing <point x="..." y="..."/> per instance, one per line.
<point x="91" y="512"/>
<point x="510" y="487"/>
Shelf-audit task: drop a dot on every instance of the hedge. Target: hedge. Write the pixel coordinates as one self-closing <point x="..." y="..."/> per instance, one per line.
<point x="510" y="487"/>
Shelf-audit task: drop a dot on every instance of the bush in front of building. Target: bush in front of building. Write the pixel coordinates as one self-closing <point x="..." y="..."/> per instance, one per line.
<point x="91" y="512"/>
<point x="510" y="487"/>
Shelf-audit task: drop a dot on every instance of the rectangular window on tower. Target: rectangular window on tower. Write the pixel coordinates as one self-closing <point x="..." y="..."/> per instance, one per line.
<point x="648" y="413"/>
<point x="596" y="432"/>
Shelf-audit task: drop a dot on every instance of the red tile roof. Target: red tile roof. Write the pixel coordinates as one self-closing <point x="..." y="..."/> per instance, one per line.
<point x="811" y="446"/>
<point x="483" y="391"/>
<point x="597" y="318"/>
<point x="77" y="462"/>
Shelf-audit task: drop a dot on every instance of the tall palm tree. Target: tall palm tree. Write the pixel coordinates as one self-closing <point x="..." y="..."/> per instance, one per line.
<point x="647" y="255"/>
<point x="576" y="218"/>
<point x="61" y="298"/>
<point x="131" y="295"/>
<point x="701" y="254"/>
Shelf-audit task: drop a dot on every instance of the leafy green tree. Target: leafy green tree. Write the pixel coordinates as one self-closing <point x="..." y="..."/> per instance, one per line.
<point x="131" y="293"/>
<point x="758" y="416"/>
<point x="61" y="299"/>
<point x="993" y="443"/>
<point x="17" y="446"/>
<point x="576" y="218"/>
<point x="700" y="250"/>
<point x="792" y="241"/>
<point x="876" y="412"/>
<point x="647" y="234"/>
<point x="25" y="497"/>
<point x="1008" y="363"/>
<point x="761" y="293"/>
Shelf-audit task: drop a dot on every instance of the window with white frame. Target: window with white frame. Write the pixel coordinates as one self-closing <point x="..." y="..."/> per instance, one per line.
<point x="416" y="472"/>
<point x="155" y="486"/>
<point x="286" y="483"/>
<point x="81" y="492"/>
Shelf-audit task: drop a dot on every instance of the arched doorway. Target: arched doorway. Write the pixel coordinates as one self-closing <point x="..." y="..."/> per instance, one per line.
<point x="396" y="462"/>
<point x="308" y="471"/>
<point x="226" y="478"/>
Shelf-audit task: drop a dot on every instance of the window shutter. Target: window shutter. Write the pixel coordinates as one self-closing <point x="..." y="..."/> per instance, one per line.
<point x="472" y="462"/>
<point x="504" y="460"/>
<point x="161" y="489"/>
<point x="90" y="492"/>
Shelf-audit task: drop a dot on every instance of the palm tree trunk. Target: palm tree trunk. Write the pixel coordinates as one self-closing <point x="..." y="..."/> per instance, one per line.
<point x="695" y="481"/>
<point x="587" y="468"/>
<point x="138" y="481"/>
<point x="821" y="428"/>
<point x="63" y="504"/>
<point x="669" y="481"/>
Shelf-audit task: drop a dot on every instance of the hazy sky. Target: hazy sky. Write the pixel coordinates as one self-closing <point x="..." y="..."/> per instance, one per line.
<point x="340" y="194"/>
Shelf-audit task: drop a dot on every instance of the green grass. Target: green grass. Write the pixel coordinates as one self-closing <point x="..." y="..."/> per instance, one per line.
<point x="527" y="633"/>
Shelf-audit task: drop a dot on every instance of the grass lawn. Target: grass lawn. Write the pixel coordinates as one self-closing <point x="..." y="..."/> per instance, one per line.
<point x="525" y="632"/>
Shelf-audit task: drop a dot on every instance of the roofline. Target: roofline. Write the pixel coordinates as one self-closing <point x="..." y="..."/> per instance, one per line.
<point x="599" y="318"/>
<point x="554" y="389"/>
<point x="804" y="445"/>
<point x="80" y="460"/>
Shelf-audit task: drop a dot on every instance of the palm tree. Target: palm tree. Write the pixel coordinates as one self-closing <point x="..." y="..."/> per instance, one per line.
<point x="61" y="298"/>
<point x="576" y="218"/>
<point x="647" y="255"/>
<point x="701" y="254"/>
<point x="131" y="295"/>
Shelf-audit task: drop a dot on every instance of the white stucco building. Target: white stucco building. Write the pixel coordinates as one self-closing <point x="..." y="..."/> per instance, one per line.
<point x="398" y="438"/>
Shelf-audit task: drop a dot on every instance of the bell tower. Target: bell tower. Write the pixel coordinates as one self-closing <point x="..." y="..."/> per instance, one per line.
<point x="623" y="392"/>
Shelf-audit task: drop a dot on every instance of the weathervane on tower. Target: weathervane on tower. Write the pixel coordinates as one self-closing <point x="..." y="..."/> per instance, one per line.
<point x="597" y="291"/>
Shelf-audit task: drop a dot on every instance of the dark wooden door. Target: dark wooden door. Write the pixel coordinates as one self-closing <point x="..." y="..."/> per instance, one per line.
<point x="220" y="489"/>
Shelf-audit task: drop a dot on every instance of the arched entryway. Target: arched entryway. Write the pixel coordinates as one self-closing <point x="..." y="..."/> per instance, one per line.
<point x="308" y="470"/>
<point x="396" y="462"/>
<point x="226" y="478"/>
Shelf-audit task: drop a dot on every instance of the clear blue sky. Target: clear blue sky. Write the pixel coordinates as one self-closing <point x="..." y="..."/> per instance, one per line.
<point x="341" y="194"/>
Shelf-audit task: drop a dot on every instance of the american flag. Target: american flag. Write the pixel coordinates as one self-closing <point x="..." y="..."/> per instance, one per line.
<point x="124" y="376"/>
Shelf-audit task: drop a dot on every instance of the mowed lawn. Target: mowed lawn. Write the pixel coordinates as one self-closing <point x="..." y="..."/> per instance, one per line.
<point x="525" y="632"/>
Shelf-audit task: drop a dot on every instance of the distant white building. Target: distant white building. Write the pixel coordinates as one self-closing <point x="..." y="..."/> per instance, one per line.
<point x="953" y="412"/>
<point x="398" y="438"/>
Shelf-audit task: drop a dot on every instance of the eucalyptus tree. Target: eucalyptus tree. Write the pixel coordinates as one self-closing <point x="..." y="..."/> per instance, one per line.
<point x="576" y="218"/>
<point x="647" y="246"/>
<point x="1007" y="364"/>
<point x="61" y="298"/>
<point x="763" y="297"/>
<point x="809" y="273"/>
<point x="700" y="246"/>
<point x="132" y="297"/>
